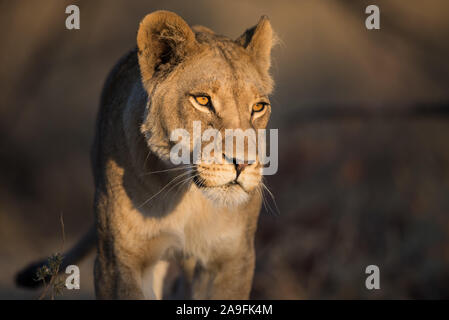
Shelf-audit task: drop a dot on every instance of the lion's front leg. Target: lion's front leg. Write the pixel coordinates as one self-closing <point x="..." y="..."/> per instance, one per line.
<point x="118" y="266"/>
<point x="115" y="278"/>
<point x="227" y="277"/>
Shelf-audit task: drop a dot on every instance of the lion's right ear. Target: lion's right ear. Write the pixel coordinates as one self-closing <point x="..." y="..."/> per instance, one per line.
<point x="163" y="39"/>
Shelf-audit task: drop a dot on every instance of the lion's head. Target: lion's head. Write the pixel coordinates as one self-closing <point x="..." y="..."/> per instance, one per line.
<point x="192" y="74"/>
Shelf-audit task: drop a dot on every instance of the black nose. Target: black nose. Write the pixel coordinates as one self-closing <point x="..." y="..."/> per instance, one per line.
<point x="239" y="167"/>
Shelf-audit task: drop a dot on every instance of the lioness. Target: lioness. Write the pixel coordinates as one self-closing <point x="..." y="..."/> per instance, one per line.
<point x="147" y="210"/>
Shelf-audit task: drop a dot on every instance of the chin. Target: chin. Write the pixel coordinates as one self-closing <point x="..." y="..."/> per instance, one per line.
<point x="230" y="195"/>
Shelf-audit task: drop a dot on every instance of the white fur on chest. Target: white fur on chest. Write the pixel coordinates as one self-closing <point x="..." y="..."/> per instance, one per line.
<point x="193" y="228"/>
<point x="196" y="227"/>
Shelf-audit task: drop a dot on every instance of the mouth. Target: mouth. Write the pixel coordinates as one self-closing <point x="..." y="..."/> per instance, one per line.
<point x="232" y="184"/>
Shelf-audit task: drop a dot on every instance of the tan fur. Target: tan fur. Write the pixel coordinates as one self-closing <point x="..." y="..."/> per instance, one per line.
<point x="209" y="226"/>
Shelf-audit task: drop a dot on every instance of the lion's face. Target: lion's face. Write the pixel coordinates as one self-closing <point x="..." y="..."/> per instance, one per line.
<point x="211" y="85"/>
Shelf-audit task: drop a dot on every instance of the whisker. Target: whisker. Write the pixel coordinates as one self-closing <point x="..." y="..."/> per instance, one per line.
<point x="272" y="197"/>
<point x="152" y="197"/>
<point x="265" y="202"/>
<point x="168" y="170"/>
<point x="146" y="159"/>
<point x="181" y="183"/>
<point x="270" y="208"/>
<point x="259" y="191"/>
<point x="178" y="183"/>
<point x="202" y="181"/>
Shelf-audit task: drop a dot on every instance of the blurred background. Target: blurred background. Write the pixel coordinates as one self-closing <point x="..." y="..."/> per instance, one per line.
<point x="363" y="127"/>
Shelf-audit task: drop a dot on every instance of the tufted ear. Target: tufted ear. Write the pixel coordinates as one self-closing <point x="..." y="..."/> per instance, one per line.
<point x="258" y="41"/>
<point x="163" y="40"/>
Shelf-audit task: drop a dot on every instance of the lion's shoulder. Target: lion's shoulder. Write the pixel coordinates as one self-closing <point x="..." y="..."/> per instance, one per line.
<point x="124" y="74"/>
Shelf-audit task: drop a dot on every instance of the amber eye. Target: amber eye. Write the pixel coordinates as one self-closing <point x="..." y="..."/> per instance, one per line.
<point x="202" y="100"/>
<point x="258" y="107"/>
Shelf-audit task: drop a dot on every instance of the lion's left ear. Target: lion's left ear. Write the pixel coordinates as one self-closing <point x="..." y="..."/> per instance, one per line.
<point x="258" y="41"/>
